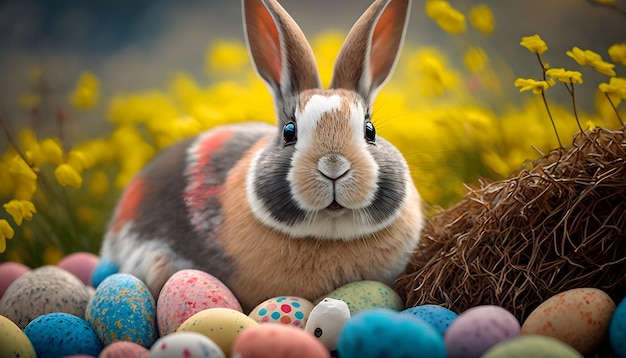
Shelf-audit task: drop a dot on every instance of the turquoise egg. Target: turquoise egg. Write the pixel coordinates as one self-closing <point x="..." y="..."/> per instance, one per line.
<point x="617" y="330"/>
<point x="62" y="334"/>
<point x="383" y="332"/>
<point x="439" y="317"/>
<point x="122" y="308"/>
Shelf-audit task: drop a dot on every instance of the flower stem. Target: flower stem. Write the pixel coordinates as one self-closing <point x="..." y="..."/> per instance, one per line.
<point x="545" y="102"/>
<point x="570" y="89"/>
<point x="614" y="108"/>
<point x="7" y="134"/>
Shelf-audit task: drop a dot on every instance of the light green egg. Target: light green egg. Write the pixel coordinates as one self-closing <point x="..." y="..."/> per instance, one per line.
<point x="362" y="295"/>
<point x="13" y="341"/>
<point x="531" y="345"/>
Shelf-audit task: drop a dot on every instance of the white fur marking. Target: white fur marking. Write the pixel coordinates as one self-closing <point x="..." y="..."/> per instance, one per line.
<point x="313" y="111"/>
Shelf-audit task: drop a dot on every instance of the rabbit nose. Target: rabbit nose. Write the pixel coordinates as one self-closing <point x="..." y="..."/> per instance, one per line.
<point x="333" y="166"/>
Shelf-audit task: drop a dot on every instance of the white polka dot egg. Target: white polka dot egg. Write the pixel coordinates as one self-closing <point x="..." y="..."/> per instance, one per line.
<point x="284" y="309"/>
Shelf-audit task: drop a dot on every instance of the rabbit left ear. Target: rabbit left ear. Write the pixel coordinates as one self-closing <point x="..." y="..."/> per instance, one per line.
<point x="278" y="48"/>
<point x="371" y="49"/>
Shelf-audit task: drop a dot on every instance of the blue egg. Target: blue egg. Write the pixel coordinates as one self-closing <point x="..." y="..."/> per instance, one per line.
<point x="122" y="308"/>
<point x="62" y="334"/>
<point x="617" y="330"/>
<point x="383" y="332"/>
<point x="104" y="269"/>
<point x="439" y="317"/>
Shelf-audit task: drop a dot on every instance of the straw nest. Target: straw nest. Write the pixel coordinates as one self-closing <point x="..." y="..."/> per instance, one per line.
<point x="556" y="225"/>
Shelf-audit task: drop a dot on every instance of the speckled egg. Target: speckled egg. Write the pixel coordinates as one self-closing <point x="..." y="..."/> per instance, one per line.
<point x="122" y="308"/>
<point x="43" y="290"/>
<point x="479" y="328"/>
<point x="124" y="349"/>
<point x="221" y="325"/>
<point x="530" y="345"/>
<point x="439" y="317"/>
<point x="188" y="292"/>
<point x="9" y="272"/>
<point x="62" y="334"/>
<point x="81" y="264"/>
<point x="383" y="332"/>
<point x="185" y="345"/>
<point x="285" y="309"/>
<point x="274" y="340"/>
<point x="579" y="317"/>
<point x="617" y="330"/>
<point x="13" y="341"/>
<point x="361" y="295"/>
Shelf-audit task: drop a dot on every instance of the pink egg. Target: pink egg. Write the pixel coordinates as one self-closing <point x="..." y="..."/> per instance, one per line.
<point x="9" y="272"/>
<point x="81" y="264"/>
<point x="275" y="340"/>
<point x="188" y="292"/>
<point x="124" y="349"/>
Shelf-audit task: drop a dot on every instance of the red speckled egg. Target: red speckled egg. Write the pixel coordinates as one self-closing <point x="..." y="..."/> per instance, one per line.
<point x="9" y="272"/>
<point x="81" y="264"/>
<point x="579" y="317"/>
<point x="275" y="340"/>
<point x="188" y="292"/>
<point x="124" y="349"/>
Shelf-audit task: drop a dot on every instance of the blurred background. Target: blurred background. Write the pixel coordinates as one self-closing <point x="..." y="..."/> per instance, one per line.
<point x="151" y="72"/>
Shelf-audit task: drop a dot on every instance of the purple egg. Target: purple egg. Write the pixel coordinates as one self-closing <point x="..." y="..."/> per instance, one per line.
<point x="479" y="328"/>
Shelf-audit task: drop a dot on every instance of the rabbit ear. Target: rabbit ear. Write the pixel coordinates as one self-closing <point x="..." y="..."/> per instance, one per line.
<point x="278" y="48"/>
<point x="371" y="49"/>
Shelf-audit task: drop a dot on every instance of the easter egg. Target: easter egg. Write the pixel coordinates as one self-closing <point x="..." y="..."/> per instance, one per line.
<point x="579" y="317"/>
<point x="62" y="334"/>
<point x="273" y="340"/>
<point x="188" y="292"/>
<point x="530" y="345"/>
<point x="439" y="317"/>
<point x="361" y="295"/>
<point x="13" y="341"/>
<point x="124" y="349"/>
<point x="43" y="290"/>
<point x="326" y="321"/>
<point x="184" y="345"/>
<point x="384" y="332"/>
<point x="285" y="309"/>
<point x="104" y="269"/>
<point x="221" y="325"/>
<point x="9" y="272"/>
<point x="617" y="330"/>
<point x="122" y="308"/>
<point x="81" y="264"/>
<point x="479" y="328"/>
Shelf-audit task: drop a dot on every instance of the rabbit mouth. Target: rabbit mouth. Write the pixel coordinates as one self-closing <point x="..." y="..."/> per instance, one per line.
<point x="335" y="209"/>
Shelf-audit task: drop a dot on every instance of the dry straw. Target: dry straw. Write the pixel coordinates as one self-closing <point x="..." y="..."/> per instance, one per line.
<point x="514" y="243"/>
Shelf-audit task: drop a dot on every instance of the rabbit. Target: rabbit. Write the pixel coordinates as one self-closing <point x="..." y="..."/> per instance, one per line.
<point x="299" y="208"/>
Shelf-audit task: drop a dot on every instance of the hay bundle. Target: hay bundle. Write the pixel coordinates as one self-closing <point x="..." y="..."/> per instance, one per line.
<point x="516" y="242"/>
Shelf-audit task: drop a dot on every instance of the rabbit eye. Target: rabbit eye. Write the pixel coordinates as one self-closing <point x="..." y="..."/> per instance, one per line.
<point x="370" y="132"/>
<point x="289" y="133"/>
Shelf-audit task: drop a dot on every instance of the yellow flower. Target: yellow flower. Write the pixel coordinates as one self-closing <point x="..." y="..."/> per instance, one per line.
<point x="565" y="75"/>
<point x="617" y="52"/>
<point x="604" y="2"/>
<point x="475" y="59"/>
<point x="615" y="88"/>
<point x="51" y="151"/>
<point x="534" y="44"/>
<point x="77" y="160"/>
<point x="226" y="56"/>
<point x="448" y="18"/>
<point x="99" y="183"/>
<point x="481" y="18"/>
<point x="528" y="84"/>
<point x="590" y="58"/>
<point x="20" y="210"/>
<point x="87" y="91"/>
<point x="6" y="232"/>
<point x="67" y="175"/>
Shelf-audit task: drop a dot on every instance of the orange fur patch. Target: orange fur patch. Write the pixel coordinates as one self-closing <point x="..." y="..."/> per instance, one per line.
<point x="128" y="208"/>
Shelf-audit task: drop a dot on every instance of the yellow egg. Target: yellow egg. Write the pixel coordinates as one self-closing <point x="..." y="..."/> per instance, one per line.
<point x="13" y="341"/>
<point x="361" y="295"/>
<point x="579" y="317"/>
<point x="221" y="325"/>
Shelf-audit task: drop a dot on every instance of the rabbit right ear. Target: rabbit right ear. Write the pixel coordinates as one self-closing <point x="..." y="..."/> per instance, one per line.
<point x="279" y="50"/>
